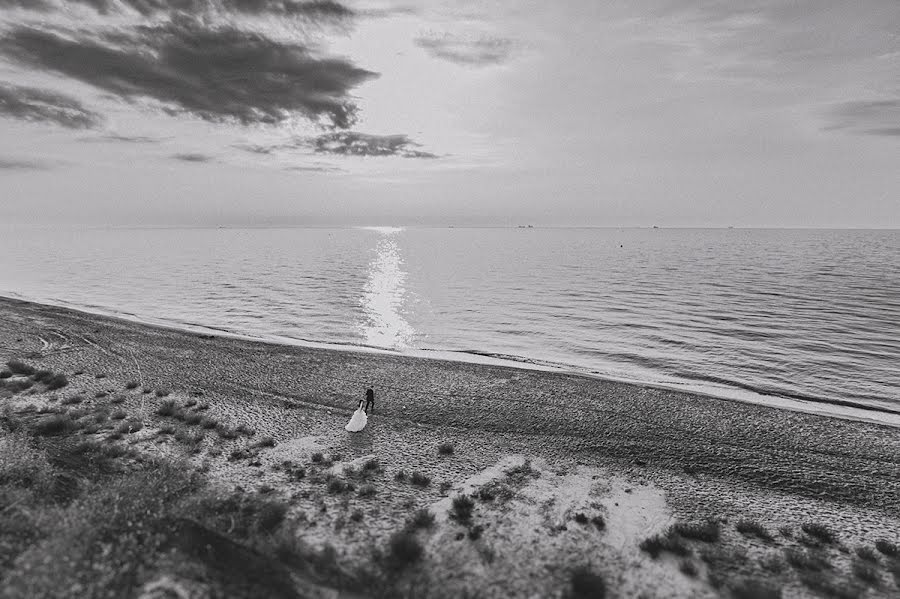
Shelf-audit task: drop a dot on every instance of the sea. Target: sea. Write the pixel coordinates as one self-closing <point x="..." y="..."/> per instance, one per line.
<point x="805" y="319"/>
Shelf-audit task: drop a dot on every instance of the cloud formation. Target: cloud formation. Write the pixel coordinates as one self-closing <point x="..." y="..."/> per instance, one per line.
<point x="192" y="157"/>
<point x="310" y="9"/>
<point x="216" y="74"/>
<point x="871" y="117"/>
<point x="351" y="143"/>
<point x="41" y="105"/>
<point x="480" y="51"/>
<point x="117" y="137"/>
<point x="15" y="164"/>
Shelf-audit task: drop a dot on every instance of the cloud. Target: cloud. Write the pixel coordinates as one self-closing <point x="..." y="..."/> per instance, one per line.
<point x="870" y="117"/>
<point x="116" y="137"/>
<point x="41" y="105"/>
<point x="14" y="164"/>
<point x="350" y="143"/>
<point x="217" y="74"/>
<point x="480" y="51"/>
<point x="192" y="157"/>
<point x="310" y="9"/>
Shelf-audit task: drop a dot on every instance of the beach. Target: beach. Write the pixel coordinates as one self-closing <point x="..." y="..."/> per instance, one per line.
<point x="567" y="474"/>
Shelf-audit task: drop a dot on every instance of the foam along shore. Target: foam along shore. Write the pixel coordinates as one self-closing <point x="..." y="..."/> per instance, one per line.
<point x="470" y="478"/>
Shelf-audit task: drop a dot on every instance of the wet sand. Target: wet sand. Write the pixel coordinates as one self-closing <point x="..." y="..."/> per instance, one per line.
<point x="640" y="457"/>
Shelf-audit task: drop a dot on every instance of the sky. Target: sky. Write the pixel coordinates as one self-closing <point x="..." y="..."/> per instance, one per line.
<point x="749" y="113"/>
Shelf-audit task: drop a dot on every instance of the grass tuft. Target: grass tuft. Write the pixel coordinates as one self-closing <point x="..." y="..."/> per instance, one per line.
<point x="754" y="529"/>
<point x="586" y="584"/>
<point x="166" y="408"/>
<point x="461" y="509"/>
<point x="445" y="449"/>
<point x="20" y="367"/>
<point x="668" y="543"/>
<point x="886" y="547"/>
<point x="707" y="531"/>
<point x="419" y="479"/>
<point x="423" y="518"/>
<point x="131" y="385"/>
<point x="57" y="381"/>
<point x="266" y="442"/>
<point x="819" y="531"/>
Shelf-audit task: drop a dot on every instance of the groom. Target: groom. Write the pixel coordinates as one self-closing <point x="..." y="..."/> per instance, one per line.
<point x="370" y="399"/>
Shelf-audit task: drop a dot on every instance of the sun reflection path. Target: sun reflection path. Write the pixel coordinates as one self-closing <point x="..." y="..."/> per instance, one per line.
<point x="384" y="294"/>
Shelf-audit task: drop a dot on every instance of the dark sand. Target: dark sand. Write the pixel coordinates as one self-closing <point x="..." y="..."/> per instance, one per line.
<point x="642" y="457"/>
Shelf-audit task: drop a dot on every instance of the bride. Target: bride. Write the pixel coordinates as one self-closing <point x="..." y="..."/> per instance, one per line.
<point x="358" y="421"/>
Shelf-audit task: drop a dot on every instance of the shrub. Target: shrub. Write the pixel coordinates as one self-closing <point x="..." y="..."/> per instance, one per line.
<point x="166" y="408"/>
<point x="404" y="549"/>
<point x="371" y="465"/>
<point x="53" y="425"/>
<point x="5" y="374"/>
<point x="806" y="561"/>
<point x="707" y="531"/>
<point x="586" y="584"/>
<point x="188" y="404"/>
<point x="867" y="554"/>
<point x="131" y="426"/>
<point x="317" y="457"/>
<point x="419" y="479"/>
<point x="192" y="419"/>
<point x="867" y="573"/>
<point x="336" y="486"/>
<point x="203" y="406"/>
<point x="19" y="367"/>
<point x="598" y="522"/>
<point x="819" y="531"/>
<point x="161" y="392"/>
<point x="208" y="423"/>
<point x="400" y="476"/>
<point x="461" y="509"/>
<point x="670" y="543"/>
<point x="266" y="442"/>
<point x="100" y="375"/>
<point x="581" y="518"/>
<point x="688" y="568"/>
<point x="57" y="381"/>
<point x="357" y="515"/>
<point x="886" y="547"/>
<point x="271" y="515"/>
<point x="146" y="390"/>
<point x="118" y="415"/>
<point x="42" y="375"/>
<point x="189" y="438"/>
<point x="117" y="398"/>
<point x="423" y="518"/>
<point x="166" y="429"/>
<point x="245" y="430"/>
<point x="131" y="385"/>
<point x="226" y="432"/>
<point x="72" y="399"/>
<point x="367" y="490"/>
<point x="445" y="449"/>
<point x="753" y="528"/>
<point x="100" y="394"/>
<point x="755" y="589"/>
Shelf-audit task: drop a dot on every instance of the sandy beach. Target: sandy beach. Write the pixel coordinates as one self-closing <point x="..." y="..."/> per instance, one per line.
<point x="569" y="480"/>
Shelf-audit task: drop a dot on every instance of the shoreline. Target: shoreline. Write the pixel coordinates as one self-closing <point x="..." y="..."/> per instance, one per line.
<point x="833" y="408"/>
<point x="653" y="490"/>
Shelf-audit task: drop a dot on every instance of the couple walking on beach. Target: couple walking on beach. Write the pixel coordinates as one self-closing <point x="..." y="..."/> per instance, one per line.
<point x="361" y="416"/>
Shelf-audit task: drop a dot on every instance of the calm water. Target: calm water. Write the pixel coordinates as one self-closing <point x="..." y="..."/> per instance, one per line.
<point x="809" y="315"/>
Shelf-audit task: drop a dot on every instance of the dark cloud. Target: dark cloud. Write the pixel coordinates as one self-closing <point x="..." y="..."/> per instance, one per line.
<point x="317" y="10"/>
<point x="216" y="74"/>
<point x="350" y="143"/>
<point x="14" y="164"/>
<point x="116" y="137"/>
<point x="41" y="105"/>
<point x="480" y="51"/>
<point x="192" y="157"/>
<point x="871" y="117"/>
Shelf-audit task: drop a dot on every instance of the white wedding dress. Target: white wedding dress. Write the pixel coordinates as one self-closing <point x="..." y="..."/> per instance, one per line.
<point x="358" y="421"/>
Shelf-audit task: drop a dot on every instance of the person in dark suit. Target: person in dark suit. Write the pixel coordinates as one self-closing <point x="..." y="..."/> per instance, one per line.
<point x="370" y="399"/>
